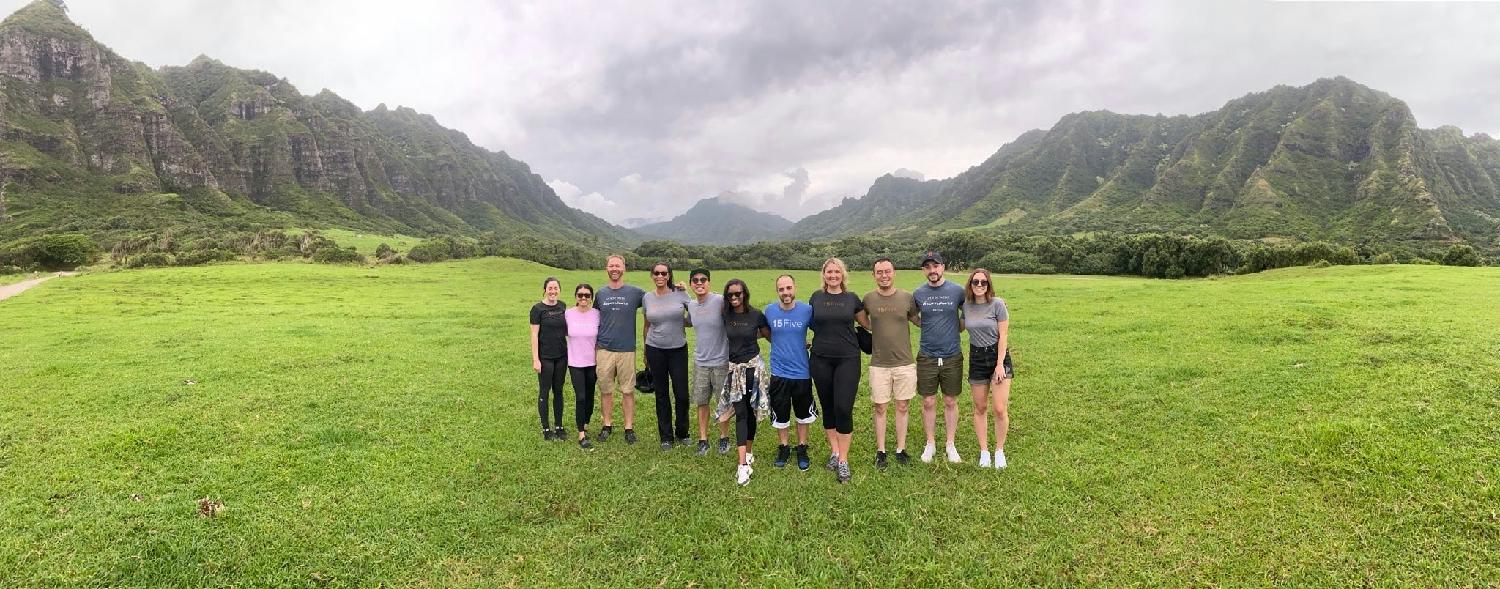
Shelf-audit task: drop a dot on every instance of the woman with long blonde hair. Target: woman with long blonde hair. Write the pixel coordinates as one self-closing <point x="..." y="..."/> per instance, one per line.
<point x="835" y="360"/>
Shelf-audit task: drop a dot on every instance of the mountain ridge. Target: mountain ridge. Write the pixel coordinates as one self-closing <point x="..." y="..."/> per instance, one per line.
<point x="718" y="221"/>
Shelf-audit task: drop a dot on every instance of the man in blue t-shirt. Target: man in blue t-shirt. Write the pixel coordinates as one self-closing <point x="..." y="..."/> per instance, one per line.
<point x="791" y="384"/>
<point x="617" y="303"/>
<point x="940" y="363"/>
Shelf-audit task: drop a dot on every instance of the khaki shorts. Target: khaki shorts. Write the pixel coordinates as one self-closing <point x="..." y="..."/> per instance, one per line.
<point x="949" y="377"/>
<point x="616" y="371"/>
<point x="894" y="382"/>
<point x="707" y="381"/>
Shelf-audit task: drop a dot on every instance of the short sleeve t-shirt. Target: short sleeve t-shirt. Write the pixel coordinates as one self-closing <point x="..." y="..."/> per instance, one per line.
<point x="833" y="324"/>
<point x="789" y="339"/>
<point x="890" y="320"/>
<point x="940" y="315"/>
<point x="551" y="340"/>
<point x="711" y="347"/>
<point x="666" y="314"/>
<point x="742" y="329"/>
<point x="617" y="316"/>
<point x="583" y="330"/>
<point x="983" y="322"/>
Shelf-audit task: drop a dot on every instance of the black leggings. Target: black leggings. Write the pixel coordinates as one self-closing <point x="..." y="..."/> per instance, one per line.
<point x="551" y="377"/>
<point x="744" y="411"/>
<point x="669" y="364"/>
<point x="837" y="381"/>
<point x="584" y="379"/>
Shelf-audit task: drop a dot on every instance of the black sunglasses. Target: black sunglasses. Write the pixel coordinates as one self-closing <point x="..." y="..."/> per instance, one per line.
<point x="584" y="295"/>
<point x="734" y="293"/>
<point x="700" y="280"/>
<point x="977" y="282"/>
<point x="658" y="273"/>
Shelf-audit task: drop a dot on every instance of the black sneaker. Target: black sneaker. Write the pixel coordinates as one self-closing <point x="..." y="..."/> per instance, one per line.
<point x="630" y="436"/>
<point x="723" y="445"/>
<point x="803" y="462"/>
<point x="880" y="461"/>
<point x="584" y="443"/>
<point x="783" y="453"/>
<point x="559" y="433"/>
<point x="666" y="446"/>
<point x="547" y="434"/>
<point x="684" y="442"/>
<point x="902" y="458"/>
<point x="702" y="447"/>
<point x="604" y="434"/>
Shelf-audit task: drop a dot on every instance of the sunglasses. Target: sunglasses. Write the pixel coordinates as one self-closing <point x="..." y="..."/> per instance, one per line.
<point x="979" y="282"/>
<point x="658" y="273"/>
<point x="584" y="295"/>
<point x="734" y="294"/>
<point x="700" y="280"/>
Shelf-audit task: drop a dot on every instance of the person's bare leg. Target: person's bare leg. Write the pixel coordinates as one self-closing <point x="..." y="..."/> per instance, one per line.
<point x="981" y="393"/>
<point x="929" y="418"/>
<point x="879" y="411"/>
<point x="801" y="434"/>
<point x="703" y="422"/>
<point x="903" y="420"/>
<point x="1001" y="411"/>
<point x="950" y="417"/>
<point x="629" y="409"/>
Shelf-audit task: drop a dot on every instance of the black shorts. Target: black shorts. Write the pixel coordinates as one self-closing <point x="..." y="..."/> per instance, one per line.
<point x="982" y="364"/>
<point x="791" y="396"/>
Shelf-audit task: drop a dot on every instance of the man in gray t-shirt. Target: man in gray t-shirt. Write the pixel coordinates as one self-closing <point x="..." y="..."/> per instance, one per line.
<point x="710" y="354"/>
<point x="940" y="363"/>
<point x="617" y="303"/>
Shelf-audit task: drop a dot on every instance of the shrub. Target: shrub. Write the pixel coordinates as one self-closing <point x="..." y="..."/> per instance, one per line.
<point x="384" y="251"/>
<point x="150" y="259"/>
<point x="1384" y="258"/>
<point x="1319" y="264"/>
<point x="1461" y="254"/>
<point x="203" y="256"/>
<point x="338" y="255"/>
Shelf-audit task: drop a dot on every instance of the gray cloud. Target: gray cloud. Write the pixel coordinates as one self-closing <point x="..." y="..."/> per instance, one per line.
<point x="638" y="109"/>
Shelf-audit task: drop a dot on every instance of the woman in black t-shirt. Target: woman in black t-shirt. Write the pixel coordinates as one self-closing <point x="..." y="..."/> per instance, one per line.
<point x="549" y="356"/>
<point x="745" y="385"/>
<point x="834" y="363"/>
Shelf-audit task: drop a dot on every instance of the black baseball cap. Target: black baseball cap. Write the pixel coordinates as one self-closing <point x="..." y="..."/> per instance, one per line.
<point x="932" y="256"/>
<point x="697" y="271"/>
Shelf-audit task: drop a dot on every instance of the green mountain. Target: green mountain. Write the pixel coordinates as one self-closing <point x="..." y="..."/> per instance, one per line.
<point x="90" y="141"/>
<point x="717" y="221"/>
<point x="1332" y="160"/>
<point x="889" y="199"/>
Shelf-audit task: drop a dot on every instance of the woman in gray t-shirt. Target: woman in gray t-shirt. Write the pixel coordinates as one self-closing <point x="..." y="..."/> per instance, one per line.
<point x="667" y="355"/>
<point x="987" y="321"/>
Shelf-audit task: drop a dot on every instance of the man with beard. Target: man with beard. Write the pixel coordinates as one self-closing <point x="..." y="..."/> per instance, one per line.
<point x="940" y="364"/>
<point x="617" y="303"/>
<point x="791" y="383"/>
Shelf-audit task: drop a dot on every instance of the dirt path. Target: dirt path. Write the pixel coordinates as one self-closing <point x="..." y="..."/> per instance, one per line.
<point x="11" y="290"/>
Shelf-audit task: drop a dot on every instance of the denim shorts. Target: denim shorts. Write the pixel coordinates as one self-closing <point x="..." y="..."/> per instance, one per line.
<point x="982" y="364"/>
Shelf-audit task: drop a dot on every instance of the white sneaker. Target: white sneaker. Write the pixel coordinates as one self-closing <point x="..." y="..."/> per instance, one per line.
<point x="742" y="475"/>
<point x="749" y="458"/>
<point x="953" y="455"/>
<point x="999" y="459"/>
<point x="928" y="452"/>
<point x="984" y="460"/>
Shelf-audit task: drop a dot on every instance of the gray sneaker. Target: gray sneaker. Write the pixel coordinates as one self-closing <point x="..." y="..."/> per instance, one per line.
<point x="833" y="462"/>
<point x="843" y="470"/>
<point x="723" y="445"/>
<point x="666" y="446"/>
<point x="702" y="447"/>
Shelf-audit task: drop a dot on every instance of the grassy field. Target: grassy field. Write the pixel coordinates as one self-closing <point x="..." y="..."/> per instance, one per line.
<point x="376" y="426"/>
<point x="14" y="278"/>
<point x="365" y="242"/>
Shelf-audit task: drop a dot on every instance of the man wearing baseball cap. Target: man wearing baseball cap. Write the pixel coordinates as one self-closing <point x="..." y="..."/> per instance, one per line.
<point x="940" y="363"/>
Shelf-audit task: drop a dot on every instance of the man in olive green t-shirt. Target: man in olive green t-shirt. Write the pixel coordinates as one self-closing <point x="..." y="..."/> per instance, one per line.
<point x="890" y="314"/>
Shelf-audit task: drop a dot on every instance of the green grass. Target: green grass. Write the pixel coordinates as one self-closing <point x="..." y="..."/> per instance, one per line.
<point x="376" y="426"/>
<point x="14" y="278"/>
<point x="365" y="242"/>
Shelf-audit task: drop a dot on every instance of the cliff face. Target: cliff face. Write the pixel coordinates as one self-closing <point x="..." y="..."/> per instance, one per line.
<point x="241" y="143"/>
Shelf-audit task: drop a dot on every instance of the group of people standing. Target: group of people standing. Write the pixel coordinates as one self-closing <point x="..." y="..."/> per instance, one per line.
<point x="595" y="339"/>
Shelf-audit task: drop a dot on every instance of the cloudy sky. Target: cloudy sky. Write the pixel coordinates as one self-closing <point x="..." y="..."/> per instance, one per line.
<point x="636" y="109"/>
